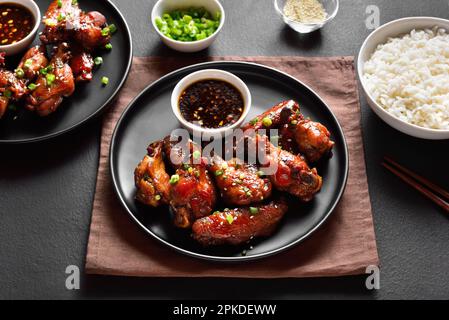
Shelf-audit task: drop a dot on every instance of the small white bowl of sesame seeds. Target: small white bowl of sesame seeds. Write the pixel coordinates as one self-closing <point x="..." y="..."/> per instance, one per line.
<point x="305" y="16"/>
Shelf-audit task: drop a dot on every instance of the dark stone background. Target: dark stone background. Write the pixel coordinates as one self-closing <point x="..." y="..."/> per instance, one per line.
<point x="46" y="189"/>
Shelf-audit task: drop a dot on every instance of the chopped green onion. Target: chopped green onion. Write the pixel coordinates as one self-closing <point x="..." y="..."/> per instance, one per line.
<point x="108" y="46"/>
<point x="229" y="218"/>
<point x="267" y="122"/>
<point x="105" y="32"/>
<point x="187" y="25"/>
<point x="254" y="121"/>
<point x="112" y="29"/>
<point x="50" y="79"/>
<point x="157" y="197"/>
<point x="98" y="61"/>
<point x="20" y="73"/>
<point x="28" y="63"/>
<point x="59" y="3"/>
<point x="253" y="210"/>
<point x="218" y="173"/>
<point x="74" y="2"/>
<point x="32" y="86"/>
<point x="61" y="16"/>
<point x="7" y="93"/>
<point x="174" y="179"/>
<point x="43" y="71"/>
<point x="196" y="155"/>
<point x="105" y="81"/>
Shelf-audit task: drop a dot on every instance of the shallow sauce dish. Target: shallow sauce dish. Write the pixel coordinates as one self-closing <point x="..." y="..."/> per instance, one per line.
<point x="381" y="35"/>
<point x="210" y="74"/>
<point x="24" y="43"/>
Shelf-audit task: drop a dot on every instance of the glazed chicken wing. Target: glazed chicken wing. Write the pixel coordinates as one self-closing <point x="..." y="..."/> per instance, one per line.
<point x="280" y="114"/>
<point x="52" y="87"/>
<point x="151" y="179"/>
<point x="296" y="133"/>
<point x="89" y="31"/>
<point x="240" y="225"/>
<point x="313" y="139"/>
<point x="60" y="20"/>
<point x="82" y="65"/>
<point x="293" y="174"/>
<point x="192" y="193"/>
<point x="32" y="62"/>
<point x="64" y="20"/>
<point x="11" y="88"/>
<point x="239" y="184"/>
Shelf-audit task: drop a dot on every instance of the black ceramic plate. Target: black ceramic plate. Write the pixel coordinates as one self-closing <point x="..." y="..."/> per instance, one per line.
<point x="149" y="117"/>
<point x="89" y="99"/>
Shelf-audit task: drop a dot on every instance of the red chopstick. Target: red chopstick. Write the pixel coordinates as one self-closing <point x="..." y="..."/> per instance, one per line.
<point x="429" y="189"/>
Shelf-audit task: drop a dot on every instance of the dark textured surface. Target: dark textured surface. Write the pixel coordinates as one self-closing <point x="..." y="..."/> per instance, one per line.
<point x="46" y="190"/>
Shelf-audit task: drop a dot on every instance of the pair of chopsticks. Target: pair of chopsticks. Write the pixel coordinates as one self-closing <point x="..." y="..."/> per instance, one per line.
<point x="430" y="190"/>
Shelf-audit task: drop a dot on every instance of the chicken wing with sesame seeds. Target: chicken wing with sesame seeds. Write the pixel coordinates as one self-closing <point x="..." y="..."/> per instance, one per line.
<point x="310" y="138"/>
<point x="313" y="139"/>
<point x="240" y="184"/>
<point x="82" y="64"/>
<point x="90" y="31"/>
<point x="32" y="62"/>
<point x="65" y="21"/>
<point x="11" y="88"/>
<point x="151" y="179"/>
<point x="59" y="21"/>
<point x="240" y="225"/>
<point x="51" y="88"/>
<point x="292" y="174"/>
<point x="192" y="194"/>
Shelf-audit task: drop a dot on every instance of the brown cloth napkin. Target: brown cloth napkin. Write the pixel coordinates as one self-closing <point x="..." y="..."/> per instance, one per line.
<point x="345" y="245"/>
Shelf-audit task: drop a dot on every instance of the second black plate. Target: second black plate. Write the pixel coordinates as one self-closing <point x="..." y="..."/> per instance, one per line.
<point x="89" y="99"/>
<point x="149" y="117"/>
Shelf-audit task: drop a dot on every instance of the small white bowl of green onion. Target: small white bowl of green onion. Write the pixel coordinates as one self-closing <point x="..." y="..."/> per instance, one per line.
<point x="190" y="25"/>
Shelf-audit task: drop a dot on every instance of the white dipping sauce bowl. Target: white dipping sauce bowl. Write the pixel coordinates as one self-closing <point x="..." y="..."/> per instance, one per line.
<point x="22" y="45"/>
<point x="210" y="74"/>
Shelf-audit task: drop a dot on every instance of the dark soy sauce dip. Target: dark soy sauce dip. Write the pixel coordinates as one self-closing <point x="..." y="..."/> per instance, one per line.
<point x="211" y="104"/>
<point x="16" y="22"/>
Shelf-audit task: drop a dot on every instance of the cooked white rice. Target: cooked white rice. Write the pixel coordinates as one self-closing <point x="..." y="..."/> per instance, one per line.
<point x="409" y="77"/>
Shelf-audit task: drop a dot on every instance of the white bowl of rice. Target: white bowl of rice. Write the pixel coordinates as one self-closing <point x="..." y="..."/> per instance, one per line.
<point x="404" y="70"/>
